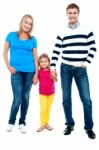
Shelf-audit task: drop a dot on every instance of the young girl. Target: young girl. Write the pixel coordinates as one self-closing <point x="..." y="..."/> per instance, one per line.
<point x="46" y="91"/>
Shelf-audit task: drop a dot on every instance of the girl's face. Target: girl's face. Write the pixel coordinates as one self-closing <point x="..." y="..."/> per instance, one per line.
<point x="44" y="63"/>
<point x="27" y="25"/>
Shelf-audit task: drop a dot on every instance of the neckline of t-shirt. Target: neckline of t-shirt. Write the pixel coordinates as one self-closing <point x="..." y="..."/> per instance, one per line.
<point x="20" y="38"/>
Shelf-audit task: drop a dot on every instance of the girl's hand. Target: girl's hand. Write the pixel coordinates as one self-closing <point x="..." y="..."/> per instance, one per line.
<point x="35" y="78"/>
<point x="55" y="79"/>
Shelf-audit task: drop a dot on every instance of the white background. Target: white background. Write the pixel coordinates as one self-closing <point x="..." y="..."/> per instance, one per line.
<point x="49" y="16"/>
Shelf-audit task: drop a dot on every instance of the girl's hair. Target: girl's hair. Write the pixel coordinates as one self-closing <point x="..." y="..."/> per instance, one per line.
<point x="73" y="5"/>
<point x="44" y="55"/>
<point x="24" y="18"/>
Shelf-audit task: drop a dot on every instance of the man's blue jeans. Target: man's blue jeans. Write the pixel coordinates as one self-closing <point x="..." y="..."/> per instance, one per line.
<point x="21" y="85"/>
<point x="69" y="72"/>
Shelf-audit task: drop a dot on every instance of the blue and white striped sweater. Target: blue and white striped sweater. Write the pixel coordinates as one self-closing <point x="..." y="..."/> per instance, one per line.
<point x="76" y="46"/>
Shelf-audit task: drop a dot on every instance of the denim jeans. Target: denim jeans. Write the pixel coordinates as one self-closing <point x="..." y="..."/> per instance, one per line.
<point x="80" y="76"/>
<point x="21" y="85"/>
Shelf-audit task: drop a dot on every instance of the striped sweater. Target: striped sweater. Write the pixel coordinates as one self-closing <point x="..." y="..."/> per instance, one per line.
<point x="76" y="47"/>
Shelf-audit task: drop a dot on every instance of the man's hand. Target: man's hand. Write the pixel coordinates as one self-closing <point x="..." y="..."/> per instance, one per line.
<point x="83" y="66"/>
<point x="54" y="75"/>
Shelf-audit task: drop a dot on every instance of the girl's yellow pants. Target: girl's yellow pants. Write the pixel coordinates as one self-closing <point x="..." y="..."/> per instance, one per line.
<point x="45" y="106"/>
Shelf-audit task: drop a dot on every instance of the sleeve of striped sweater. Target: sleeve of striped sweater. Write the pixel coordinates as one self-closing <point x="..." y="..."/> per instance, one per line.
<point x="56" y="52"/>
<point x="92" y="49"/>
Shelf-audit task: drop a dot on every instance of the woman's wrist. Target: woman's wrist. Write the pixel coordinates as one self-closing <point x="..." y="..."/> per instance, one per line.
<point x="36" y="72"/>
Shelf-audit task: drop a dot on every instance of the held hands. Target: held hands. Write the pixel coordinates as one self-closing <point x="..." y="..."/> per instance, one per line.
<point x="35" y="78"/>
<point x="54" y="75"/>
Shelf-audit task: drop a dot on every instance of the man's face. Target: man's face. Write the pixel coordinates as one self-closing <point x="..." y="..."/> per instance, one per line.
<point x="72" y="15"/>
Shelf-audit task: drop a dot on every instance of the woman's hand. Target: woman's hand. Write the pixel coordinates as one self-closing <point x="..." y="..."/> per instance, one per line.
<point x="11" y="69"/>
<point x="35" y="78"/>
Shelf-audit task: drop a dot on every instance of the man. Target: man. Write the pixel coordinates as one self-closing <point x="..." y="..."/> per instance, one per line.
<point x="76" y="44"/>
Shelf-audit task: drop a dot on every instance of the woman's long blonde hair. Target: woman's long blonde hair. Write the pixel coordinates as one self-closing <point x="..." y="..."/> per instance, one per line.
<point x="20" y="25"/>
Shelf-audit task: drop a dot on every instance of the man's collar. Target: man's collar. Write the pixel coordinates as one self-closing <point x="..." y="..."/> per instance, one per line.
<point x="73" y="26"/>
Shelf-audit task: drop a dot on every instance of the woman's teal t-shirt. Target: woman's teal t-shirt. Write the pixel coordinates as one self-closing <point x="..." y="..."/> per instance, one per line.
<point x="21" y="52"/>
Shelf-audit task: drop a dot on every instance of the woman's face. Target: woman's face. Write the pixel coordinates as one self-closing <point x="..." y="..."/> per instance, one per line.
<point x="27" y="24"/>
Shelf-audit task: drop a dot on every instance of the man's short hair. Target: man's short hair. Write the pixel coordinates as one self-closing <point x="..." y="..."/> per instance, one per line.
<point x="73" y="5"/>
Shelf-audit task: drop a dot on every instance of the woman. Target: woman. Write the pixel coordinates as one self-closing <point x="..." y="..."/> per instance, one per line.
<point x="23" y="66"/>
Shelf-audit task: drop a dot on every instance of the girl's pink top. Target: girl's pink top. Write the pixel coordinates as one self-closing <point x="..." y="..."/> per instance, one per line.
<point x="46" y="84"/>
